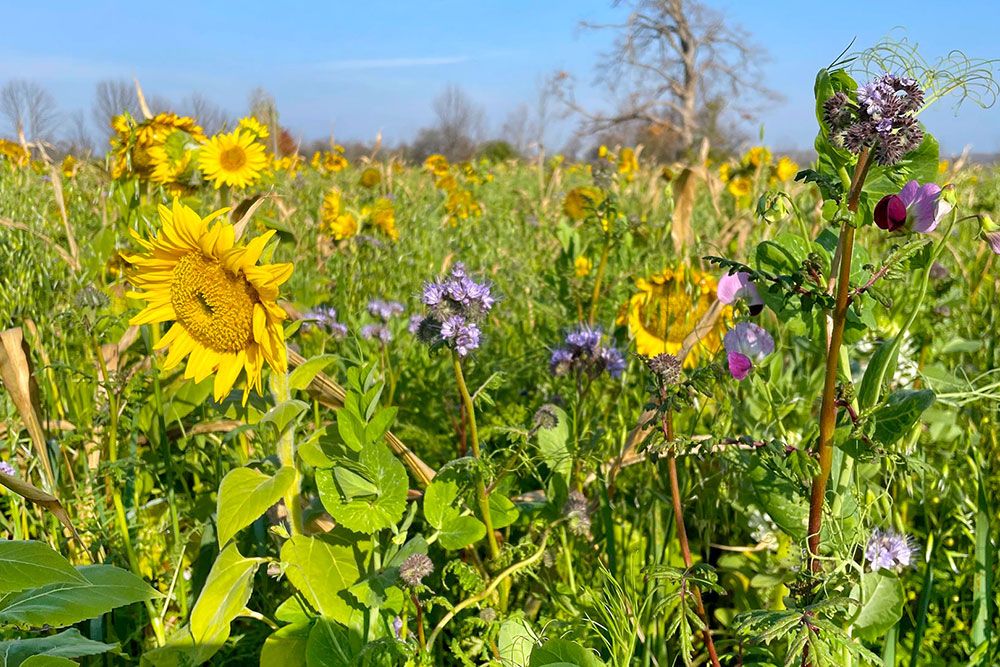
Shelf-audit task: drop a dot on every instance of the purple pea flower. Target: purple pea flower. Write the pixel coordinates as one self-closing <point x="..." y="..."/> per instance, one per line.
<point x="738" y="286"/>
<point x="916" y="207"/>
<point x="889" y="550"/>
<point x="746" y="343"/>
<point x="990" y="232"/>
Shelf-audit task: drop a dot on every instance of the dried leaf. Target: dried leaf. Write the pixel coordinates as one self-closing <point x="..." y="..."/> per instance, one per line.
<point x="19" y="380"/>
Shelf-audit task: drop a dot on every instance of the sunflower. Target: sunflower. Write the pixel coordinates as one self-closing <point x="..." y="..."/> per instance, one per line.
<point x="786" y="169"/>
<point x="234" y="159"/>
<point x="342" y="224"/>
<point x="667" y="307"/>
<point x="581" y="202"/>
<point x="223" y="305"/>
<point x="254" y="127"/>
<point x="437" y="164"/>
<point x="383" y="215"/>
<point x="628" y="164"/>
<point x="132" y="141"/>
<point x="758" y="156"/>
<point x="370" y="177"/>
<point x="330" y="161"/>
<point x="14" y="153"/>
<point x="740" y="186"/>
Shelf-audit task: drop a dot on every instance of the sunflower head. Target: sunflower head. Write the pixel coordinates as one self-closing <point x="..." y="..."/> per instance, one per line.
<point x="253" y="126"/>
<point x="383" y="215"/>
<point x="14" y="153"/>
<point x="437" y="164"/>
<point x="132" y="141"/>
<point x="667" y="307"/>
<point x="340" y="223"/>
<point x="235" y="159"/>
<point x="223" y="305"/>
<point x="370" y="177"/>
<point x="786" y="169"/>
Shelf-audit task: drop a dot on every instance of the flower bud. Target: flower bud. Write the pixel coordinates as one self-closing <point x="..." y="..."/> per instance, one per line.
<point x="890" y="213"/>
<point x="989" y="231"/>
<point x="771" y="207"/>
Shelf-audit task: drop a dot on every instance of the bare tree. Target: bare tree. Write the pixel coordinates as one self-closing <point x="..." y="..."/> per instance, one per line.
<point x="459" y="122"/>
<point x="29" y="108"/>
<point x="78" y="141"/>
<point x="672" y="62"/>
<point x="113" y="98"/>
<point x="264" y="108"/>
<point x="209" y="115"/>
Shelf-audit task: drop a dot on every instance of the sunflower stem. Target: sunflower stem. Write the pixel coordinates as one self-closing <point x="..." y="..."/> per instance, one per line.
<point x="599" y="278"/>
<point x="286" y="455"/>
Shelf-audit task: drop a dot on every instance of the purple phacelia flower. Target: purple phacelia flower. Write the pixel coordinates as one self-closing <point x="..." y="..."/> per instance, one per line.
<point x="7" y="469"/>
<point x="584" y="353"/>
<point x="433" y="294"/>
<point x="376" y="331"/>
<point x="384" y="310"/>
<point x="456" y="306"/>
<point x="325" y="317"/>
<point x="889" y="550"/>
<point x="414" y="325"/>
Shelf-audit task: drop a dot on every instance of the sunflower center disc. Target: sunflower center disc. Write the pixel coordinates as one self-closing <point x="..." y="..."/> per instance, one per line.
<point x="233" y="158"/>
<point x="213" y="304"/>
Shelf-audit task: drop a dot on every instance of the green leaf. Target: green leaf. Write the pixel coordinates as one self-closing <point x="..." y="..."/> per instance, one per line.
<point x="285" y="414"/>
<point x="781" y="500"/>
<point x="883" y="598"/>
<point x="563" y="652"/>
<point x="878" y="368"/>
<point x="286" y="647"/>
<point x="461" y="531"/>
<point x="49" y="661"/>
<point x="29" y="564"/>
<point x="438" y="500"/>
<point x="67" y="644"/>
<point x="293" y="611"/>
<point x="245" y="494"/>
<point x="105" y="588"/>
<point x="329" y="645"/>
<point x="322" y="570"/>
<point x="502" y="510"/>
<point x="515" y="642"/>
<point x="309" y="369"/>
<point x="351" y="428"/>
<point x="900" y="412"/>
<point x="225" y="594"/>
<point x="553" y="445"/>
<point x="369" y="497"/>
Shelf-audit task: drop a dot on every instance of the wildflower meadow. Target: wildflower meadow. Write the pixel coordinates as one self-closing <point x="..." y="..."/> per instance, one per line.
<point x="268" y="406"/>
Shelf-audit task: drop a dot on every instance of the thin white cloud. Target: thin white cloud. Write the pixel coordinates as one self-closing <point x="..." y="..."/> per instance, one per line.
<point x="394" y="63"/>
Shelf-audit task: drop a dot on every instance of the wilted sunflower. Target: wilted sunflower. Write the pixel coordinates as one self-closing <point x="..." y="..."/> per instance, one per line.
<point x="581" y="202"/>
<point x="223" y="305"/>
<point x="370" y="177"/>
<point x="234" y="159"/>
<point x="667" y="307"/>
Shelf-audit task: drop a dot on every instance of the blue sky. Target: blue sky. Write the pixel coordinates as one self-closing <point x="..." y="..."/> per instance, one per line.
<point x="356" y="68"/>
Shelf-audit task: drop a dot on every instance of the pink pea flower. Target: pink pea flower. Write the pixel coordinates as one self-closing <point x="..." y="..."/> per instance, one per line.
<point x="738" y="286"/>
<point x="918" y="208"/>
<point x="746" y="343"/>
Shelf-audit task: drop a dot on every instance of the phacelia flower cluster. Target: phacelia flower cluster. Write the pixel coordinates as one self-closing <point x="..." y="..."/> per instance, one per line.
<point x="325" y="318"/>
<point x="384" y="311"/>
<point x="455" y="308"/>
<point x="882" y="118"/>
<point x="415" y="569"/>
<point x="889" y="550"/>
<point x="584" y="353"/>
<point x="7" y="469"/>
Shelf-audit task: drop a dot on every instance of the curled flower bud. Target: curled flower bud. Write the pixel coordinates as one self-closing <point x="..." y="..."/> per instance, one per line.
<point x="545" y="417"/>
<point x="918" y="208"/>
<point x="990" y="232"/>
<point x="666" y="367"/>
<point x="415" y="568"/>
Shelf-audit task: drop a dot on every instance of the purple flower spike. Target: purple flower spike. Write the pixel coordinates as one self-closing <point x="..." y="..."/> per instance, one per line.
<point x="889" y="550"/>
<point x="738" y="286"/>
<point x="746" y="343"/>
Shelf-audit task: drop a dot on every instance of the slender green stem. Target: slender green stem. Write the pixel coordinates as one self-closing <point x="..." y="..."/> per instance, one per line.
<point x="286" y="455"/>
<point x="828" y="410"/>
<point x="481" y="494"/>
<point x="599" y="279"/>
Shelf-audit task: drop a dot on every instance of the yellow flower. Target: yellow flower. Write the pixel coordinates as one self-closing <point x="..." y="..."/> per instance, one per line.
<point x="582" y="266"/>
<point x="383" y="216"/>
<point x="436" y="164"/>
<point x="668" y="307"/>
<point x="581" y="202"/>
<point x="370" y="177"/>
<point x="132" y="141"/>
<point x="69" y="166"/>
<point x="223" y="305"/>
<point x="628" y="164"/>
<point x="233" y="159"/>
<point x="757" y="156"/>
<point x="446" y="182"/>
<point x="14" y="153"/>
<point x="602" y="151"/>
<point x="168" y="166"/>
<point x="725" y="171"/>
<point x="943" y="166"/>
<point x="461" y="206"/>
<point x="740" y="186"/>
<point x="786" y="169"/>
<point x="330" y="161"/>
<point x="341" y="224"/>
<point x="254" y="127"/>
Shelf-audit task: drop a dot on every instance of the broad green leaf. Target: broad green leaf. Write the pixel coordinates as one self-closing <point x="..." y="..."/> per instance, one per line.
<point x="49" y="661"/>
<point x="286" y="647"/>
<point x="563" y="652"/>
<point x="883" y="599"/>
<point x="900" y="412"/>
<point x="379" y="424"/>
<point x="293" y="611"/>
<point x="29" y="564"/>
<point x="67" y="644"/>
<point x="309" y="369"/>
<point x="329" y="645"/>
<point x="553" y="445"/>
<point x="285" y="414"/>
<point x="225" y="594"/>
<point x="351" y="428"/>
<point x="322" y="570"/>
<point x="515" y="642"/>
<point x="438" y="500"/>
<point x="781" y="500"/>
<point x="371" y="496"/>
<point x="245" y="494"/>
<point x="502" y="510"/>
<point x="105" y="588"/>
<point x="461" y="531"/>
